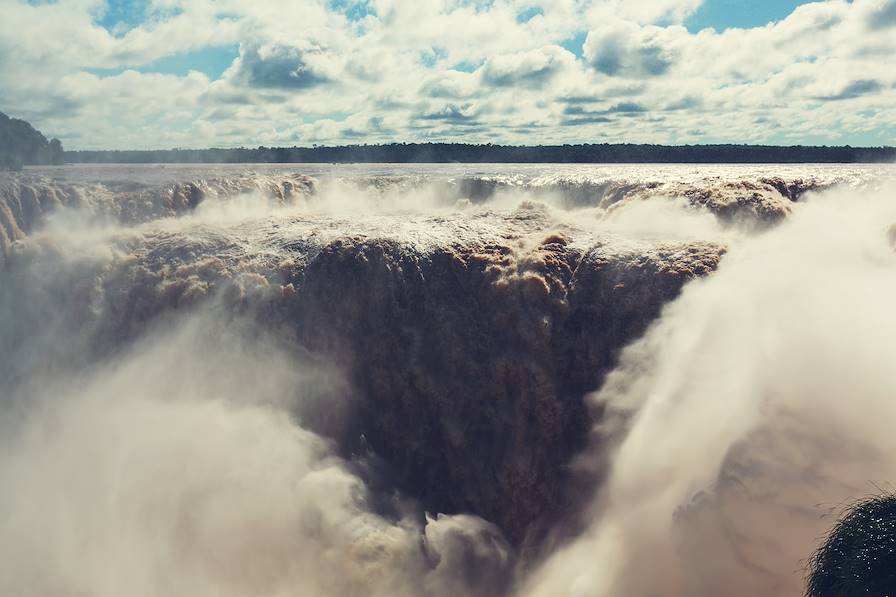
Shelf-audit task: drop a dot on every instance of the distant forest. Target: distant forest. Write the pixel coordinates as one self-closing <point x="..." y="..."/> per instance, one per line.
<point x="21" y="144"/>
<point x="468" y="153"/>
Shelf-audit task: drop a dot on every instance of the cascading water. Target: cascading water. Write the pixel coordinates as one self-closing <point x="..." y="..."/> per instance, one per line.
<point x="375" y="380"/>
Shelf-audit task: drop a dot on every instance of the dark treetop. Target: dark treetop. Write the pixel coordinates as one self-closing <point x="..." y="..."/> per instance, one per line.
<point x="22" y="144"/>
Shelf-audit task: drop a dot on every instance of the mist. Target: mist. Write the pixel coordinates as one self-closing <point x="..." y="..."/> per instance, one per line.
<point x="754" y="410"/>
<point x="453" y="298"/>
<point x="172" y="453"/>
<point x="179" y="468"/>
<point x="406" y="385"/>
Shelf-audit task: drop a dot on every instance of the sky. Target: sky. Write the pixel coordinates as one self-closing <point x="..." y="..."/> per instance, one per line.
<point x="125" y="74"/>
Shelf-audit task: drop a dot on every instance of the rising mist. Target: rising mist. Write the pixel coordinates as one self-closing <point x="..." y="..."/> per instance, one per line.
<point x="416" y="383"/>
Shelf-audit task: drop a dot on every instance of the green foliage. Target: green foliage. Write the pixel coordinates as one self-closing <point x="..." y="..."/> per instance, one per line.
<point x="22" y="144"/>
<point x="858" y="558"/>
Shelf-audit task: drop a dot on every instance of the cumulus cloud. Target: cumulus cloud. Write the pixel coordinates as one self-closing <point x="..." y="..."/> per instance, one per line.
<point x="855" y="89"/>
<point x="534" y="68"/>
<point x="280" y="66"/>
<point x="643" y="11"/>
<point x="632" y="51"/>
<point x="457" y="113"/>
<point x="451" y="84"/>
<point x="883" y="14"/>
<point x="409" y="62"/>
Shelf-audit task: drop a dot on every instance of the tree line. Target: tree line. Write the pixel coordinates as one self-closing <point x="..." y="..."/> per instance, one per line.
<point x="21" y="144"/>
<point x="485" y="153"/>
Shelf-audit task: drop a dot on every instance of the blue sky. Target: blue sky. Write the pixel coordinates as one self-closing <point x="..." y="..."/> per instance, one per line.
<point x="165" y="73"/>
<point x="722" y="14"/>
<point x="122" y="15"/>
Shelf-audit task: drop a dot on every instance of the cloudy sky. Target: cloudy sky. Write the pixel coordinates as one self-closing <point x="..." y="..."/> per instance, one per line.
<point x="198" y="73"/>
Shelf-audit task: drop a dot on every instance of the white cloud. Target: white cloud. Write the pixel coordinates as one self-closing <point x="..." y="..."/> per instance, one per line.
<point x="533" y="68"/>
<point x="627" y="49"/>
<point x="481" y="71"/>
<point x="643" y="11"/>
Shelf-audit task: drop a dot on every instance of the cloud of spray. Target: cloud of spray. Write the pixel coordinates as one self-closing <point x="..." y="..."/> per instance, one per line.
<point x="177" y="461"/>
<point x="179" y="465"/>
<point x="758" y="404"/>
<point x="176" y="470"/>
<point x="661" y="218"/>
